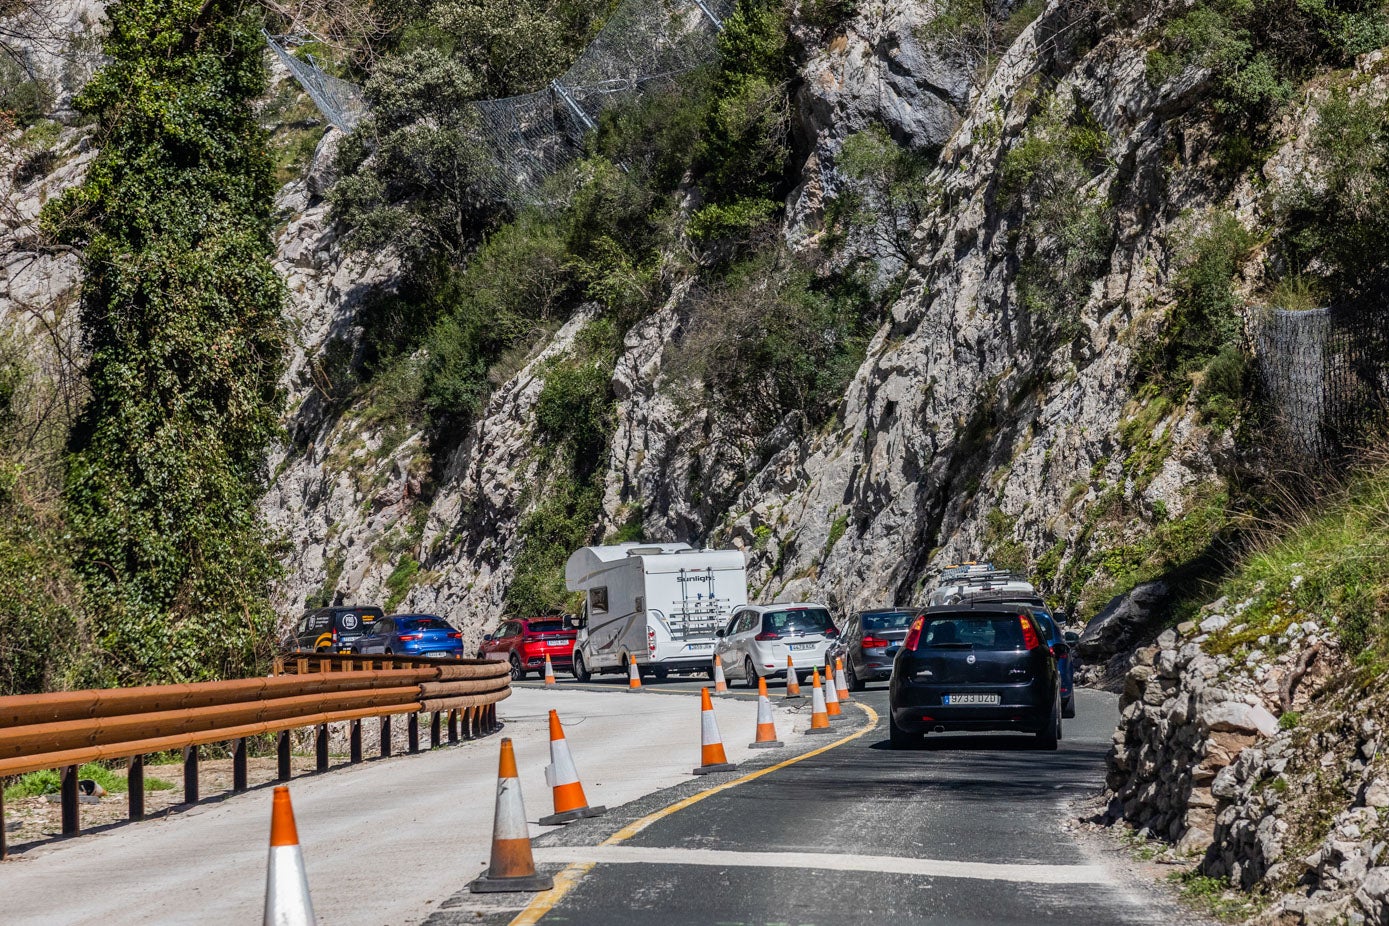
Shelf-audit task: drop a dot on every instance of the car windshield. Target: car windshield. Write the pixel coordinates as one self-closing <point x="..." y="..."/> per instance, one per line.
<point x="994" y="632"/>
<point x="545" y="626"/>
<point x="888" y="620"/>
<point x="797" y="620"/>
<point x="422" y="623"/>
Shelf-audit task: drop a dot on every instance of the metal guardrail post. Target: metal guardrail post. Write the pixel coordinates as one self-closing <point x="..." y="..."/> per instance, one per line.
<point x="71" y="822"/>
<point x="190" y="774"/>
<point x="453" y="726"/>
<point x="321" y="747"/>
<point x="356" y="741"/>
<point x="434" y="728"/>
<point x="386" y="736"/>
<point x="135" y="787"/>
<point x="413" y="729"/>
<point x="239" y="776"/>
<point x="282" y="750"/>
<point x="4" y="846"/>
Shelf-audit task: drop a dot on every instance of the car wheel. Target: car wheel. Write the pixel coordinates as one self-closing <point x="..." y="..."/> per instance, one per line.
<point x="1068" y="709"/>
<point x="851" y="677"/>
<point x="517" y="673"/>
<point x="1050" y="735"/>
<point x="899" y="738"/>
<point x="749" y="672"/>
<point x="389" y="651"/>
<point x="581" y="672"/>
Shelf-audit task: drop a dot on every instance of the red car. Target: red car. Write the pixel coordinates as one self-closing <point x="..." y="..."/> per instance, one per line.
<point x="524" y="642"/>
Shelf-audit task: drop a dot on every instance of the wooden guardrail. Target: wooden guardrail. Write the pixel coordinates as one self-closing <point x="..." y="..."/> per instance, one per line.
<point x="65" y="729"/>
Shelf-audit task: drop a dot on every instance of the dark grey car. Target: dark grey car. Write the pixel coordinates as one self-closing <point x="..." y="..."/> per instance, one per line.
<point x="869" y="642"/>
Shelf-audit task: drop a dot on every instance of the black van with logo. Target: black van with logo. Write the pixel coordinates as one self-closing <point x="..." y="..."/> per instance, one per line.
<point x="333" y="630"/>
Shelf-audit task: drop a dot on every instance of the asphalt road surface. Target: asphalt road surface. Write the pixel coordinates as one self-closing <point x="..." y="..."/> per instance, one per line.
<point x="969" y="829"/>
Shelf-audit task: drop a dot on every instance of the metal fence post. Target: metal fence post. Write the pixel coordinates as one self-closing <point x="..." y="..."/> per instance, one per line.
<point x="413" y="731"/>
<point x="282" y="751"/>
<point x="190" y="774"/>
<point x="239" y="775"/>
<point x="386" y="736"/>
<point x="321" y="747"/>
<point x="135" y="787"/>
<point x="434" y="729"/>
<point x="71" y="823"/>
<point x="356" y="741"/>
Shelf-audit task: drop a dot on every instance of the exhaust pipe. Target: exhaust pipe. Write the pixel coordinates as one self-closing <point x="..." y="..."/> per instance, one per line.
<point x="938" y="729"/>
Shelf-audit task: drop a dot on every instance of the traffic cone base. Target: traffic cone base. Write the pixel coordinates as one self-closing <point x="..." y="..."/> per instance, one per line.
<point x="512" y="867"/>
<point x="569" y="816"/>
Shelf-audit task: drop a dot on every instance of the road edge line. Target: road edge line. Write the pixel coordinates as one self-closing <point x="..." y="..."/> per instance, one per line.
<point x="565" y="880"/>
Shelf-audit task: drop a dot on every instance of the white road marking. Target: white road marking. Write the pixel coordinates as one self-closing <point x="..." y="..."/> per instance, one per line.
<point x="927" y="867"/>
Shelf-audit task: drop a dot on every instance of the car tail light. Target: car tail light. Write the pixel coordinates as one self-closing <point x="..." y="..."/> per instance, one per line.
<point x="335" y="634"/>
<point x="914" y="634"/>
<point x="1030" y="640"/>
<point x="768" y="635"/>
<point x="651" y="640"/>
<point x="455" y="636"/>
<point x="870" y="641"/>
<point x="407" y="637"/>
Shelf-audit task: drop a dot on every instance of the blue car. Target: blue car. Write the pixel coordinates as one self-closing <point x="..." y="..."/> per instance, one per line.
<point x="412" y="635"/>
<point x="1065" y="664"/>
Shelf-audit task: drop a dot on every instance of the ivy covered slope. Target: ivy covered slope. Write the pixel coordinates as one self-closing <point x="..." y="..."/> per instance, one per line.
<point x="858" y="306"/>
<point x="181" y="315"/>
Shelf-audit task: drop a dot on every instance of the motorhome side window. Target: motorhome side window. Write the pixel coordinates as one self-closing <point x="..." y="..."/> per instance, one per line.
<point x="598" y="599"/>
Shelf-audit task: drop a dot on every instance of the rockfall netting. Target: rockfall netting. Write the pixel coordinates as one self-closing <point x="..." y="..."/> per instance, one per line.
<point x="1323" y="376"/>
<point x="533" y="136"/>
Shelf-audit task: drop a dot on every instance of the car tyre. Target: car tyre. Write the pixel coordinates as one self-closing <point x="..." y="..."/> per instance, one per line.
<point x="851" y="677"/>
<point x="1049" y="736"/>
<point x="749" y="672"/>
<point x="517" y="671"/>
<point x="1068" y="709"/>
<point x="580" y="668"/>
<point x="389" y="652"/>
<point x="899" y="738"/>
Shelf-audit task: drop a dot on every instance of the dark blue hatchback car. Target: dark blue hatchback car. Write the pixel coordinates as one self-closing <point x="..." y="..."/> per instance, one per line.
<point x="412" y="635"/>
<point x="1065" y="661"/>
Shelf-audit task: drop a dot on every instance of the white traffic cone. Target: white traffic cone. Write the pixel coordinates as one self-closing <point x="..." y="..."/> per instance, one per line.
<point x="720" y="683"/>
<point x="832" y="697"/>
<point x="711" y="754"/>
<point x="766" y="725"/>
<point x="563" y="778"/>
<point x="512" y="867"/>
<point x="819" y="720"/>
<point x="287" y="901"/>
<point x="549" y="672"/>
<point x="841" y="681"/>
<point x="633" y="676"/>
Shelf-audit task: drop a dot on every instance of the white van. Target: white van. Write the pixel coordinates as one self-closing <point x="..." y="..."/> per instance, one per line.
<point x="654" y="604"/>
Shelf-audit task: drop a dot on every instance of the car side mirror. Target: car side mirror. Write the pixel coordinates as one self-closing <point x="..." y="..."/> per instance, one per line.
<point x="579" y="623"/>
<point x="1061" y="650"/>
<point x="1071" y="636"/>
<point x="719" y="632"/>
<point x="486" y="637"/>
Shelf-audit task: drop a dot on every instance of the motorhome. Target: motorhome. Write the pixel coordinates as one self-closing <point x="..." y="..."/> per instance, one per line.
<point x="653" y="604"/>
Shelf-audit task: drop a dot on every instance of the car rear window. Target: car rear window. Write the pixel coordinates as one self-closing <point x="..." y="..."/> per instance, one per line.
<point x="894" y="620"/>
<point x="546" y="626"/>
<point x="993" y="632"/>
<point x="423" y="623"/>
<point x="797" y="620"/>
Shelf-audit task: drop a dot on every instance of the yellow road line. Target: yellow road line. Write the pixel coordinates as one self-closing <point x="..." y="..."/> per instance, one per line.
<point x="571" y="875"/>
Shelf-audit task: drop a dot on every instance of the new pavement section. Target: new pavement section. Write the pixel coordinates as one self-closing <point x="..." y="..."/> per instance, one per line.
<point x="427" y="818"/>
<point x="972" y="829"/>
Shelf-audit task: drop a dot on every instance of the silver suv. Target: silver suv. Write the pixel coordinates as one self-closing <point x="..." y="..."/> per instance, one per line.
<point x="758" y="638"/>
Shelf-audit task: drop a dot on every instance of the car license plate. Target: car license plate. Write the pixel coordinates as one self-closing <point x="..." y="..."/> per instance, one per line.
<point x="800" y="646"/>
<point x="555" y="642"/>
<point x="699" y="646"/>
<point x="970" y="699"/>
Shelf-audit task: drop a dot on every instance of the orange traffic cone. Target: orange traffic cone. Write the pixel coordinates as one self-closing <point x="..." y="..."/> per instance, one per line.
<point x="720" y="683"/>
<point x="841" y="682"/>
<point x="831" y="696"/>
<point x="819" y="720"/>
<point x="793" y="683"/>
<point x="711" y="754"/>
<point x="549" y="672"/>
<point x="287" y="900"/>
<point x="563" y="778"/>
<point x="766" y="726"/>
<point x="633" y="675"/>
<point x="512" y="867"/>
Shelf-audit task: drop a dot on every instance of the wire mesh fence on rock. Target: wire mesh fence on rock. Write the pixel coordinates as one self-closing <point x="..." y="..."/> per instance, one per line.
<point x="533" y="136"/>
<point x="1323" y="375"/>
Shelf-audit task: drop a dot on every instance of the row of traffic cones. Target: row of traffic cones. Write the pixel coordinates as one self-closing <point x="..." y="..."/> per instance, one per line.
<point x="793" y="684"/>
<point x="512" y="865"/>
